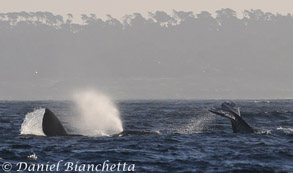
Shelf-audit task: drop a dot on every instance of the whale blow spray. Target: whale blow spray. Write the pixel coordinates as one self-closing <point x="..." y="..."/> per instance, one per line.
<point x="97" y="114"/>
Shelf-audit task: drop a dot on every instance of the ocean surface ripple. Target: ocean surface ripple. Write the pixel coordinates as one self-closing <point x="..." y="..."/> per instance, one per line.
<point x="189" y="138"/>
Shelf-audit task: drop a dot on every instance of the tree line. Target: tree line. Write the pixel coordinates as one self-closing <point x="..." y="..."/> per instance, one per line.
<point x="185" y="46"/>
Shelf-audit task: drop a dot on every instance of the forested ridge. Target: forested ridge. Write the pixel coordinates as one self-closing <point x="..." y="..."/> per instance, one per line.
<point x="183" y="52"/>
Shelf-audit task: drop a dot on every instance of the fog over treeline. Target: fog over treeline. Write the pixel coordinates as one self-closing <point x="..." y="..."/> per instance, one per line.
<point x="182" y="55"/>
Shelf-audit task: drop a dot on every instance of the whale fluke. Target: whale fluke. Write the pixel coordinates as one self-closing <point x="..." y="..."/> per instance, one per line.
<point x="51" y="125"/>
<point x="232" y="111"/>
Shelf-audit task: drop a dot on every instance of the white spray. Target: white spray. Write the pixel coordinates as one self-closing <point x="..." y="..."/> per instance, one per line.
<point x="97" y="114"/>
<point x="32" y="124"/>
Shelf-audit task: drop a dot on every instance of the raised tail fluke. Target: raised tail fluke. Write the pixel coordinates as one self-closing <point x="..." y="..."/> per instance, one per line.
<point x="223" y="113"/>
<point x="232" y="111"/>
<point x="231" y="107"/>
<point x="51" y="125"/>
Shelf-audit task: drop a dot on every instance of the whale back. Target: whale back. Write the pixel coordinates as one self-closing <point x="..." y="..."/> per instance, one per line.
<point x="51" y="125"/>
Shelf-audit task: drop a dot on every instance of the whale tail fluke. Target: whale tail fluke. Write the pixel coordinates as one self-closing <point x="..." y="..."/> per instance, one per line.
<point x="51" y="125"/>
<point x="232" y="111"/>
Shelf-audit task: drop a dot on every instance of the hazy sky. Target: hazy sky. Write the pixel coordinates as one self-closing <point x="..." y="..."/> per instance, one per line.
<point x="189" y="63"/>
<point x="118" y="8"/>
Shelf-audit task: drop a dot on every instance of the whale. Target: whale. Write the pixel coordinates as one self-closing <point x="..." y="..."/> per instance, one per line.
<point x="53" y="127"/>
<point x="231" y="111"/>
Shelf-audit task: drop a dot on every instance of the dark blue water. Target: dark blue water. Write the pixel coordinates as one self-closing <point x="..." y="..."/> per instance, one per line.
<point x="191" y="139"/>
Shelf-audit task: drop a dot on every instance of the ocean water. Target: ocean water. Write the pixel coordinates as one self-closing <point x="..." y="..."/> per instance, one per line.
<point x="185" y="138"/>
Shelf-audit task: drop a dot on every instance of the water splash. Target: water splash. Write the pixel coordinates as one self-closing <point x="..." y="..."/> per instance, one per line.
<point x="32" y="156"/>
<point x="196" y="125"/>
<point x="32" y="124"/>
<point x="97" y="114"/>
<point x="263" y="131"/>
<point x="286" y="130"/>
